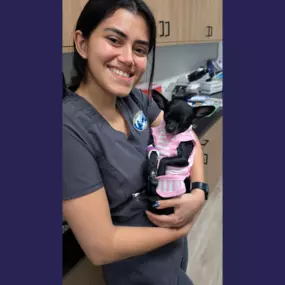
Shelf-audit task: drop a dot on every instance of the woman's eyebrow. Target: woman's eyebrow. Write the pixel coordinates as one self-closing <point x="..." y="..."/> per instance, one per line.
<point x="123" y="35"/>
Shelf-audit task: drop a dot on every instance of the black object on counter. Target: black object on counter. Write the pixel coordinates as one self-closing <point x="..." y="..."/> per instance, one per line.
<point x="197" y="74"/>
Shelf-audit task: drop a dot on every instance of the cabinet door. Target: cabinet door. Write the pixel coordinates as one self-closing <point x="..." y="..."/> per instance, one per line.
<point x="206" y="24"/>
<point x="71" y="10"/>
<point x="166" y="13"/>
<point x="212" y="150"/>
<point x="216" y="10"/>
<point x="184" y="20"/>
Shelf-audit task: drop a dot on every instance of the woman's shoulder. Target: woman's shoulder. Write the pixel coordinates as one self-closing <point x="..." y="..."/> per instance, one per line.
<point x="79" y="124"/>
<point x="71" y="104"/>
<point x="138" y="97"/>
<point x="75" y="107"/>
<point x="78" y="115"/>
<point x="147" y="105"/>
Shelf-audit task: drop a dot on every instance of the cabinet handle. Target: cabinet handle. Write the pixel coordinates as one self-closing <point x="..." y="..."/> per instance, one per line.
<point x="209" y="31"/>
<point x="168" y="29"/>
<point x="205" y="158"/>
<point x="161" y="22"/>
<point x="204" y="142"/>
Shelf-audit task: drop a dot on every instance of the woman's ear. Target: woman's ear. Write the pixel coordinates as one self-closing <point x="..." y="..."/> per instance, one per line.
<point x="81" y="44"/>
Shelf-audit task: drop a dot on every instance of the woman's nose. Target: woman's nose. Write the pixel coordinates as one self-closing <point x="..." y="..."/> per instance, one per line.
<point x="126" y="57"/>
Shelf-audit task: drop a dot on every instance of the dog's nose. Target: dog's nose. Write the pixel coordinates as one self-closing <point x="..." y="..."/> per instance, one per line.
<point x="170" y="127"/>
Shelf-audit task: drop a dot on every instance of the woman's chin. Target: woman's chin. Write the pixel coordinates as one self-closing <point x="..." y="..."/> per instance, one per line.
<point x="122" y="91"/>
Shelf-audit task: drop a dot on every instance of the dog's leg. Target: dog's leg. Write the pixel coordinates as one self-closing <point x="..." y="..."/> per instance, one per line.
<point x="152" y="173"/>
<point x="187" y="182"/>
<point x="183" y="152"/>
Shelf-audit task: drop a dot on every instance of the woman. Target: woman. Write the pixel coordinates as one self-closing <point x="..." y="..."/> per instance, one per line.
<point x="104" y="151"/>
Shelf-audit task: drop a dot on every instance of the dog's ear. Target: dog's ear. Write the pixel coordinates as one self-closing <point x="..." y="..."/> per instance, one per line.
<point x="159" y="99"/>
<point x="203" y="111"/>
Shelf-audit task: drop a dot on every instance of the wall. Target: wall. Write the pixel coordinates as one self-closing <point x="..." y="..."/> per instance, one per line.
<point x="174" y="60"/>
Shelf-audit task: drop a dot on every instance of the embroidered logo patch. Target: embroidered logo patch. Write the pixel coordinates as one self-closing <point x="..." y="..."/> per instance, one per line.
<point x="140" y="121"/>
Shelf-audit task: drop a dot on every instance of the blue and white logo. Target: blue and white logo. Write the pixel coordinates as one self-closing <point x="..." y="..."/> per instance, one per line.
<point x="140" y="121"/>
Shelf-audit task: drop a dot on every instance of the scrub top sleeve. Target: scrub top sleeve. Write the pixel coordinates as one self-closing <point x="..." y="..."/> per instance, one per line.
<point x="80" y="172"/>
<point x="152" y="109"/>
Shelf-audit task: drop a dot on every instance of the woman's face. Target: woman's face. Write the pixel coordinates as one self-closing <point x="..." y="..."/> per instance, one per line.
<point x="116" y="52"/>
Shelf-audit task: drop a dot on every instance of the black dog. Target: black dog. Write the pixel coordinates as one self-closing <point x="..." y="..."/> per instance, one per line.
<point x="178" y="119"/>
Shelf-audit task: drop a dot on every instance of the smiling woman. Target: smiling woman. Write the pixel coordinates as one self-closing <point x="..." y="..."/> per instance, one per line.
<point x="106" y="129"/>
<point x="116" y="52"/>
<point x="129" y="29"/>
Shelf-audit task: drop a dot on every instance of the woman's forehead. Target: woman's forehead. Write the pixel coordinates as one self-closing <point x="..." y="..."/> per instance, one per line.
<point x="130" y="23"/>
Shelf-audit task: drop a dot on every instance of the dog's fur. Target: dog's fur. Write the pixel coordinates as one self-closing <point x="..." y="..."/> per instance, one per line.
<point x="178" y="117"/>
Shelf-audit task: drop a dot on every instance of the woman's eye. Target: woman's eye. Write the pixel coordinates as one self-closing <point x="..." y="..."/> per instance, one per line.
<point x="141" y="51"/>
<point x="113" y="40"/>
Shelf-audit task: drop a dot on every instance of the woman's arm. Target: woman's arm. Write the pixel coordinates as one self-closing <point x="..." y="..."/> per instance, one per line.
<point x="197" y="170"/>
<point x="158" y="119"/>
<point x="90" y="220"/>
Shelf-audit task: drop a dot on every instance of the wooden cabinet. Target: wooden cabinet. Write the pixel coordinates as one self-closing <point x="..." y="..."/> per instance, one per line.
<point x="172" y="19"/>
<point x="207" y="19"/>
<point x="169" y="24"/>
<point x="71" y="10"/>
<point x="178" y="21"/>
<point x="187" y="21"/>
<point x="212" y="148"/>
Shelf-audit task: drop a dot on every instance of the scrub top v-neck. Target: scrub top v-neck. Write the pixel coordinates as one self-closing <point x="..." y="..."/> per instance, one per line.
<point x="95" y="155"/>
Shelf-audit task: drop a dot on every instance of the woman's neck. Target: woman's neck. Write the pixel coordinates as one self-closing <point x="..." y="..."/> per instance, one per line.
<point x="105" y="104"/>
<point x="98" y="98"/>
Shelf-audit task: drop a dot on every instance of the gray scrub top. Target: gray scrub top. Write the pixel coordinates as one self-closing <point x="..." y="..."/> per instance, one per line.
<point x="94" y="156"/>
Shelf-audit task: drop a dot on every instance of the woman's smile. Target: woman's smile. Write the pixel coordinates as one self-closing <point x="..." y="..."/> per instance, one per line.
<point x="125" y="77"/>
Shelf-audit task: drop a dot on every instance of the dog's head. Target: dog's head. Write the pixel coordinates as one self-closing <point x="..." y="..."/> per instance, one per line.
<point x="178" y="114"/>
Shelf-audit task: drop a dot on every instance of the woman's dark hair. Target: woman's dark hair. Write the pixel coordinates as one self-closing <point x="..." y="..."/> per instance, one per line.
<point x="94" y="12"/>
<point x="64" y="87"/>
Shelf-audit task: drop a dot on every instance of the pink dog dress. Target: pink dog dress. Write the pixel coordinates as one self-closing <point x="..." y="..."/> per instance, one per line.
<point x="172" y="183"/>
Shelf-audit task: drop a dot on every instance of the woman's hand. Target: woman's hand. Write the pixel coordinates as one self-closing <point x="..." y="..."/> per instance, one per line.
<point x="185" y="209"/>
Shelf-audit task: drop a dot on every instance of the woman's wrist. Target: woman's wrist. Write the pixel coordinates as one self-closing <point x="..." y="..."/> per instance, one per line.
<point x="183" y="231"/>
<point x="199" y="194"/>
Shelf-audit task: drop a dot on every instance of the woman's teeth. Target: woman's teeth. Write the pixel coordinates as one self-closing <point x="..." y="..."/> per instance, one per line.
<point x="121" y="73"/>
